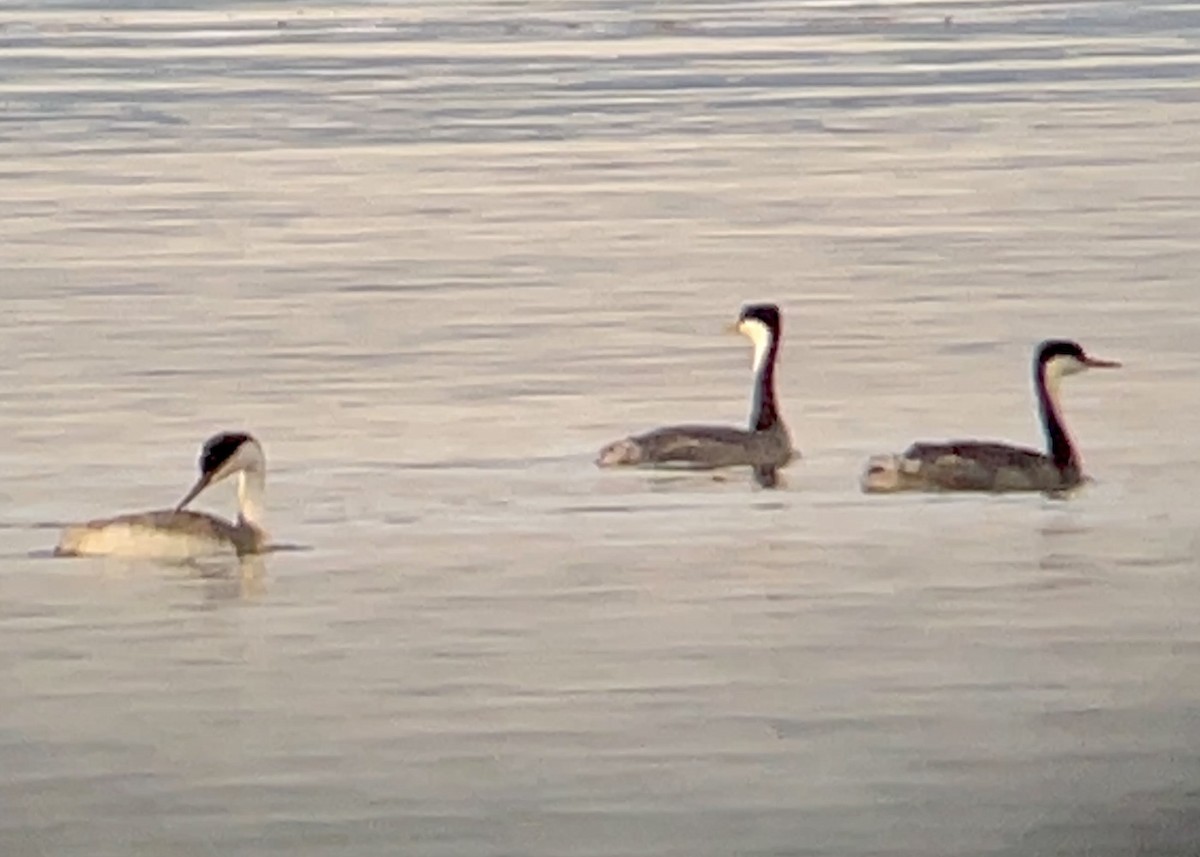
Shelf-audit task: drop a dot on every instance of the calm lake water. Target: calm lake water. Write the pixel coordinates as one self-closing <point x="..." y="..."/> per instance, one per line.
<point x="435" y="254"/>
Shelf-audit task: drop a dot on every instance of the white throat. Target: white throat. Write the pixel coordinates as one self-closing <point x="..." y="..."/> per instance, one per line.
<point x="252" y="489"/>
<point x="759" y="334"/>
<point x="1056" y="369"/>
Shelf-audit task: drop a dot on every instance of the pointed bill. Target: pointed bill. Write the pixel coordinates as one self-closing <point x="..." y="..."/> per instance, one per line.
<point x="201" y="484"/>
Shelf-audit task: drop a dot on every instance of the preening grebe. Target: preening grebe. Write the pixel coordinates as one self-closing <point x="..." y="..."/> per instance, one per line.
<point x="180" y="534"/>
<point x="766" y="446"/>
<point x="969" y="465"/>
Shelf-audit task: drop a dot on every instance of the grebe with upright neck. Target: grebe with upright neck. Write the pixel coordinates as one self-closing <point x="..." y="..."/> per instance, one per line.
<point x="181" y="534"/>
<point x="765" y="447"/>
<point x="967" y="465"/>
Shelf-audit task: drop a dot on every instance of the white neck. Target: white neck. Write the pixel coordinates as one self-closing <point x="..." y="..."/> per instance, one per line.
<point x="1055" y="371"/>
<point x="252" y="489"/>
<point x="760" y="335"/>
<point x="1053" y="387"/>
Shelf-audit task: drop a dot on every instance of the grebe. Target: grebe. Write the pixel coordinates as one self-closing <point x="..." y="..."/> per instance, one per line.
<point x="180" y="534"/>
<point x="984" y="466"/>
<point x="765" y="447"/>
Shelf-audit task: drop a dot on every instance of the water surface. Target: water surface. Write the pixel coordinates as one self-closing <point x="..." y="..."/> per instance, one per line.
<point x="434" y="255"/>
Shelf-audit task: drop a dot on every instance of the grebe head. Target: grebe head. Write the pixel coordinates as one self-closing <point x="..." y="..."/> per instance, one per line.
<point x="224" y="455"/>
<point x="1058" y="358"/>
<point x="761" y="324"/>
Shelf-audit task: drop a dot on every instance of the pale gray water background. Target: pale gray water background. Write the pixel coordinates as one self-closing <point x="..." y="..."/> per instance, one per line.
<point x="434" y="254"/>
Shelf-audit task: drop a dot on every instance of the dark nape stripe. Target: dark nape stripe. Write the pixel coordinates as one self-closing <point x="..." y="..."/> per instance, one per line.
<point x="1058" y="442"/>
<point x="766" y="414"/>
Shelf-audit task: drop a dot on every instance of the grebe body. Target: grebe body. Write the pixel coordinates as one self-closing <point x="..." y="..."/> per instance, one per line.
<point x="765" y="446"/>
<point x="179" y="533"/>
<point x="969" y="465"/>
